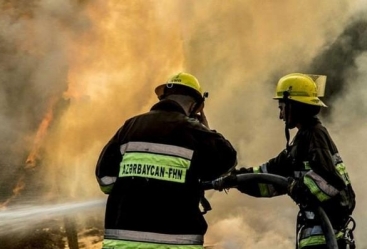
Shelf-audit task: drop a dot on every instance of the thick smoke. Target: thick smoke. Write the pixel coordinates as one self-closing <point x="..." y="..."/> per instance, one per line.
<point x="339" y="60"/>
<point x="32" y="71"/>
<point x="344" y="62"/>
<point x="348" y="117"/>
<point x="97" y="62"/>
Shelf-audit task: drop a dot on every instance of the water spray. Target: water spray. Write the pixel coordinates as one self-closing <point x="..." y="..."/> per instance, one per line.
<point x="25" y="216"/>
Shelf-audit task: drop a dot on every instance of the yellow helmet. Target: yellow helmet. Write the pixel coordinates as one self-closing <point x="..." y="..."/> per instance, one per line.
<point x="184" y="79"/>
<point x="300" y="87"/>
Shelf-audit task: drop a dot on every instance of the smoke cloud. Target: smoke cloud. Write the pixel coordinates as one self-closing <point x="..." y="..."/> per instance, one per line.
<point x="89" y="65"/>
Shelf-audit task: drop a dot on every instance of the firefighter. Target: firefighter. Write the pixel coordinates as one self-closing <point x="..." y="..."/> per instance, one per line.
<point x="152" y="170"/>
<point x="313" y="165"/>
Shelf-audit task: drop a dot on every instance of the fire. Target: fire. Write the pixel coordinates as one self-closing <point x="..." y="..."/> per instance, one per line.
<point x="40" y="135"/>
<point x="33" y="156"/>
<point x="16" y="192"/>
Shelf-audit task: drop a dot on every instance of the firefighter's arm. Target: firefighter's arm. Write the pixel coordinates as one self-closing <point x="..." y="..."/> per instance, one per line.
<point x="276" y="166"/>
<point x="202" y="118"/>
<point x="255" y="188"/>
<point x="217" y="155"/>
<point x="250" y="188"/>
<point x="107" y="167"/>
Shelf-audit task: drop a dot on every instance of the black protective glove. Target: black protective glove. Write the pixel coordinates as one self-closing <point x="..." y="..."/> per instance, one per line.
<point x="230" y="180"/>
<point x="225" y="182"/>
<point x="242" y="170"/>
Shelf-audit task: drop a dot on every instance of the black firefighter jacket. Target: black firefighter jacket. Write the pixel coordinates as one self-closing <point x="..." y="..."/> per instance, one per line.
<point x="314" y="161"/>
<point x="147" y="193"/>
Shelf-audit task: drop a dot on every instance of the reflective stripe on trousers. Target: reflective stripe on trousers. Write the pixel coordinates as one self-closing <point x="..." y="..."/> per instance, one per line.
<point x="121" y="244"/>
<point x="313" y="236"/>
<point x="173" y="239"/>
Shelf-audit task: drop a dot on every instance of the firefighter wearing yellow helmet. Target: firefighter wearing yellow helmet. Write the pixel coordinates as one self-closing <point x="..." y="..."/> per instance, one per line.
<point x="152" y="168"/>
<point x="298" y="96"/>
<point x="184" y="84"/>
<point x="181" y="79"/>
<point x="299" y="87"/>
<point x="312" y="163"/>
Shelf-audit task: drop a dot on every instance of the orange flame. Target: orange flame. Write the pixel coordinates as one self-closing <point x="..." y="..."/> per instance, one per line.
<point x="34" y="153"/>
<point x="41" y="133"/>
<point x="16" y="192"/>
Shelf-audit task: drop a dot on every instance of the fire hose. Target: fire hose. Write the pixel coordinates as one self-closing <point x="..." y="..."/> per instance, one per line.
<point x="233" y="180"/>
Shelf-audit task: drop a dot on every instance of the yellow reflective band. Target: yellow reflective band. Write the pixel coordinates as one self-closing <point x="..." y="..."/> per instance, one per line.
<point x="106" y="183"/>
<point x="263" y="188"/>
<point x="312" y="241"/>
<point x="342" y="171"/>
<point x="315" y="189"/>
<point x="106" y="189"/>
<point x="161" y="167"/>
<point x="264" y="191"/>
<point x="317" y="240"/>
<point x="307" y="164"/>
<point x="121" y="244"/>
<point x="318" y="186"/>
<point x="256" y="169"/>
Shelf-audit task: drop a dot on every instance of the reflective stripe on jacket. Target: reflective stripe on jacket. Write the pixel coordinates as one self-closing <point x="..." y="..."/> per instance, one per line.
<point x="265" y="190"/>
<point x="156" y="161"/>
<point x="152" y="170"/>
<point x="314" y="160"/>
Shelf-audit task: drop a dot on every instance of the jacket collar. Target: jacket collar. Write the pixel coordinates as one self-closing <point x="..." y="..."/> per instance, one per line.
<point x="310" y="123"/>
<point x="169" y="106"/>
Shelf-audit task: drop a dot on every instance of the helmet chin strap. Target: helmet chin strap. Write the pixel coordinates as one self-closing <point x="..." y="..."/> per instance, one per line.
<point x="286" y="114"/>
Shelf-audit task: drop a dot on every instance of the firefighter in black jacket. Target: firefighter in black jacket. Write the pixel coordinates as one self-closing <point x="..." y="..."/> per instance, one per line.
<point x="152" y="169"/>
<point x="312" y="163"/>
